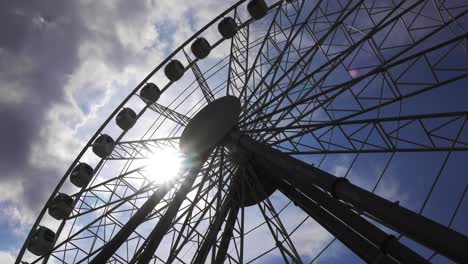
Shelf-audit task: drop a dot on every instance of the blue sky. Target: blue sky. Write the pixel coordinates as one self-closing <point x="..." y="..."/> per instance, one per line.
<point x="65" y="65"/>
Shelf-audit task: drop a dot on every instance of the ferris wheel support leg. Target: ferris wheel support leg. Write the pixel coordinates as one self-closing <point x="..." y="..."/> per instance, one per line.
<point x="215" y="227"/>
<point x="359" y="245"/>
<point x="165" y="222"/>
<point x="227" y="235"/>
<point x="417" y="227"/>
<point x="313" y="196"/>
<point x="111" y="247"/>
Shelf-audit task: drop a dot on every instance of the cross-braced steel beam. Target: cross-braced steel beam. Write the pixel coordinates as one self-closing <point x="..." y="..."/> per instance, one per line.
<point x="227" y="235"/>
<point x="111" y="247"/>
<point x="202" y="83"/>
<point x="305" y="177"/>
<point x="166" y="220"/>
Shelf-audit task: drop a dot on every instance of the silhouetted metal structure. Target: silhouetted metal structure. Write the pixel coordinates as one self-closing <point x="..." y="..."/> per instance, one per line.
<point x="313" y="99"/>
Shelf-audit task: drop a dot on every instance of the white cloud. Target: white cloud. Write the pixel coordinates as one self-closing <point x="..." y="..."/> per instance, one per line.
<point x="101" y="74"/>
<point x="118" y="49"/>
<point x="6" y="257"/>
<point x="18" y="216"/>
<point x="10" y="190"/>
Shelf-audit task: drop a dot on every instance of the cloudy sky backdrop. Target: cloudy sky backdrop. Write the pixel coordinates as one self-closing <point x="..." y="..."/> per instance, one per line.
<point x="65" y="66"/>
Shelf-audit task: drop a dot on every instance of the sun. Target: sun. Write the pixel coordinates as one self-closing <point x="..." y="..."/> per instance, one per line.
<point x="164" y="165"/>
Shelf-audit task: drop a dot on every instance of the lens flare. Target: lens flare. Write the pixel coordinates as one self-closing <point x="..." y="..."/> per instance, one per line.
<point x="164" y="165"/>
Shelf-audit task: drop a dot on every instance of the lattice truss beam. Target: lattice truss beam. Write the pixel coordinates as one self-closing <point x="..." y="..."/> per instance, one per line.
<point x="170" y="114"/>
<point x="328" y="80"/>
<point x="247" y="62"/>
<point x="438" y="132"/>
<point x="112" y="202"/>
<point x="141" y="149"/>
<point x="200" y="78"/>
<point x="333" y="78"/>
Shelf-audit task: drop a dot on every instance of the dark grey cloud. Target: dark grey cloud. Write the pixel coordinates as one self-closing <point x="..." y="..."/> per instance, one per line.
<point x="39" y="52"/>
<point x="41" y="47"/>
<point x="46" y="33"/>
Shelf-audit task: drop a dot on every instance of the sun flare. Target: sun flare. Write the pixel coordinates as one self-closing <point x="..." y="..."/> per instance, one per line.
<point x="164" y="165"/>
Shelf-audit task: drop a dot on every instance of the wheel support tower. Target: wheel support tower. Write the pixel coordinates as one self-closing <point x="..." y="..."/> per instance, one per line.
<point x="334" y="202"/>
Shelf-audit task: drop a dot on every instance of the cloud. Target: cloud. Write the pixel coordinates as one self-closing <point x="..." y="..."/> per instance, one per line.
<point x="64" y="67"/>
<point x="6" y="257"/>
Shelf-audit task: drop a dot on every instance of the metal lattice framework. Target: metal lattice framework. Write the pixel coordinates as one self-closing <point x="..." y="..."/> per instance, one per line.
<point x="354" y="111"/>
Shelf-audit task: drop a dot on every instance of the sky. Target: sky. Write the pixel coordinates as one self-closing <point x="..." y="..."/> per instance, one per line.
<point x="64" y="67"/>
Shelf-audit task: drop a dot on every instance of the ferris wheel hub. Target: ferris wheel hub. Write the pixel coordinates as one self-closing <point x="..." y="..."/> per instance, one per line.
<point x="210" y="125"/>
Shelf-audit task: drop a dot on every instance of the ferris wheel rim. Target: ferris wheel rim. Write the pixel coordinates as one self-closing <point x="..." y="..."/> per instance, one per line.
<point x="115" y="111"/>
<point x="133" y="93"/>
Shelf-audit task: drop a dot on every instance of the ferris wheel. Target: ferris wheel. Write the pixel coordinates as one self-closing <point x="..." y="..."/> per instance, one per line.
<point x="282" y="131"/>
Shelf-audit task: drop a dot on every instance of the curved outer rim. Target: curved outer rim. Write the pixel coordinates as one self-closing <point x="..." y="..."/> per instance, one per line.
<point x="115" y="112"/>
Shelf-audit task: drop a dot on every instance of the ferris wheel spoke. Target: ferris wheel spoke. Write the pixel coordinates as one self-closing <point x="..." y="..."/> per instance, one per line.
<point x="282" y="238"/>
<point x="310" y="83"/>
<point x="209" y="241"/>
<point x="109" y="186"/>
<point x="286" y="96"/>
<point x="170" y="114"/>
<point x="281" y="58"/>
<point x="164" y="223"/>
<point x="340" y="84"/>
<point x="276" y="65"/>
<point x="191" y="223"/>
<point x="109" y="248"/>
<point x="200" y="78"/>
<point x="245" y="47"/>
<point x="87" y="208"/>
<point x="344" y="86"/>
<point x="357" y="44"/>
<point x="257" y="60"/>
<point x="215" y="226"/>
<point x="139" y="149"/>
<point x="130" y="174"/>
<point x="343" y="15"/>
<point x="275" y="46"/>
<point x="369" y="109"/>
<point x="380" y="69"/>
<point x="111" y="219"/>
<point x="452" y="145"/>
<point x="93" y="225"/>
<point x="238" y="60"/>
<point x="188" y="224"/>
<point x="410" y="133"/>
<point x="454" y="214"/>
<point x="198" y="218"/>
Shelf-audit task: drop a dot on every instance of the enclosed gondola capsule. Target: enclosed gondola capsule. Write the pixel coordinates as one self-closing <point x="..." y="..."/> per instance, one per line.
<point x="201" y="48"/>
<point x="61" y="206"/>
<point x="41" y="241"/>
<point x="174" y="70"/>
<point x="126" y="118"/>
<point x="103" y="146"/>
<point x="227" y="27"/>
<point x="150" y="93"/>
<point x="257" y="8"/>
<point x="81" y="175"/>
